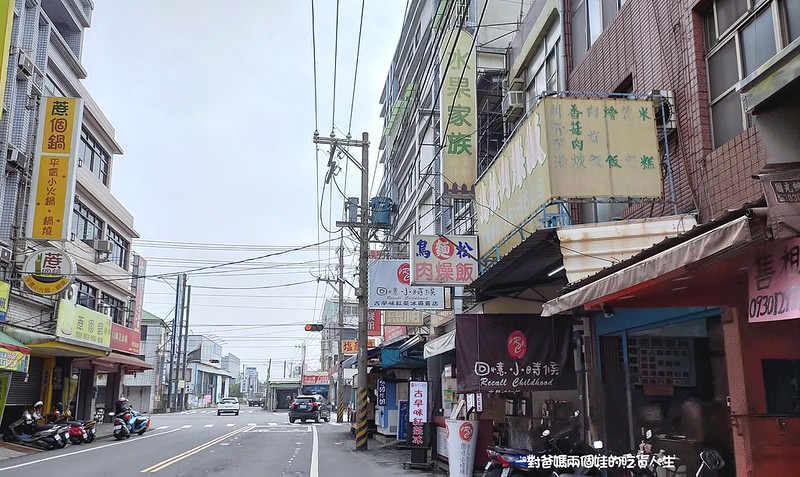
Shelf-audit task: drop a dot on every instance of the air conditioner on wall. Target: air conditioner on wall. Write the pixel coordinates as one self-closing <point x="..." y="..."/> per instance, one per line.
<point x="513" y="102"/>
<point x="104" y="308"/>
<point x="664" y="110"/>
<point x="102" y="246"/>
<point x="5" y="255"/>
<point x="25" y="65"/>
<point x="71" y="293"/>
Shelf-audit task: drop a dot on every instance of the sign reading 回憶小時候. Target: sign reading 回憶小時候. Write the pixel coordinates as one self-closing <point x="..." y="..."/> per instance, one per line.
<point x="55" y="165"/>
<point x="390" y="289"/>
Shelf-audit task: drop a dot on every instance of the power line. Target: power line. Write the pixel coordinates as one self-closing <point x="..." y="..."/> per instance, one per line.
<point x="355" y="75"/>
<point x="335" y="62"/>
<point x="314" y="52"/>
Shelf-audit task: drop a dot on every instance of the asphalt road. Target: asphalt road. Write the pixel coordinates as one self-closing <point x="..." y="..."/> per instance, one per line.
<point x="255" y="443"/>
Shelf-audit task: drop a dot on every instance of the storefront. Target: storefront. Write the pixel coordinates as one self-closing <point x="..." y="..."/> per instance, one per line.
<point x="14" y="366"/>
<point x="733" y="362"/>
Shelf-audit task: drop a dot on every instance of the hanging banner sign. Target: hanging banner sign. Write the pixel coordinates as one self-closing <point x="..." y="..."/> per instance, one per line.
<point x="374" y="323"/>
<point x="774" y="282"/>
<point x="390" y="288"/>
<point x="48" y="271"/>
<point x="448" y="260"/>
<point x="55" y="165"/>
<point x="381" y="392"/>
<point x="418" y="413"/>
<point x="507" y="353"/>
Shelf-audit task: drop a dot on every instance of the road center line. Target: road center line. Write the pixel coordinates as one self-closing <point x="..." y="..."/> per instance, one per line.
<point x="90" y="449"/>
<point x="314" y="472"/>
<point x="172" y="460"/>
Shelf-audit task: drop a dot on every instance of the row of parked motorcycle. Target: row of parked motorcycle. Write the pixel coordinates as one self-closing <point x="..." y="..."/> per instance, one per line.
<point x="57" y="429"/>
<point x="544" y="441"/>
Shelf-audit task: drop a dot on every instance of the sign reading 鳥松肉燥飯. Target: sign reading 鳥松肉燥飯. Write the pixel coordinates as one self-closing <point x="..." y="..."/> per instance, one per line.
<point x="449" y="260"/>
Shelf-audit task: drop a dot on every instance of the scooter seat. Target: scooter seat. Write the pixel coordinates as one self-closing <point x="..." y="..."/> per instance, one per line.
<point x="511" y="450"/>
<point x="43" y="427"/>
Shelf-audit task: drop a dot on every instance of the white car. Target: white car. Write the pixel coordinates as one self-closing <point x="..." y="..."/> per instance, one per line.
<point x="228" y="404"/>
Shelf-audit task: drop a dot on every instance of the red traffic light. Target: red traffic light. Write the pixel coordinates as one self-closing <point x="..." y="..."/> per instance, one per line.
<point x="314" y="327"/>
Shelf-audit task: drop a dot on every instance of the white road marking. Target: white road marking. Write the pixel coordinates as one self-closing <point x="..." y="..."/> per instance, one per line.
<point x="251" y="423"/>
<point x="272" y="423"/>
<point x="162" y="427"/>
<point x="314" y="472"/>
<point x="229" y="425"/>
<point x="89" y="449"/>
<point x="225" y="444"/>
<point x="334" y="423"/>
<point x="209" y="425"/>
<point x="187" y="426"/>
<point x="249" y="412"/>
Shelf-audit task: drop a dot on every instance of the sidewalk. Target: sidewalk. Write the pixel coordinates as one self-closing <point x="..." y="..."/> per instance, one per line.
<point x="9" y="450"/>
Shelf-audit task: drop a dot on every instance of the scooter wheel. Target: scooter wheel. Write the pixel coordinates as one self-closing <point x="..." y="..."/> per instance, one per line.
<point x="119" y="436"/>
<point x="89" y="437"/>
<point x="75" y="440"/>
<point x="141" y="432"/>
<point x="62" y="443"/>
<point x="8" y="438"/>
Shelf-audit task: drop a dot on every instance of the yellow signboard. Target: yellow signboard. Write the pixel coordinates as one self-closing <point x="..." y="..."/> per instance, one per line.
<point x="568" y="148"/>
<point x="351" y="346"/>
<point x="83" y="325"/>
<point x="54" y="169"/>
<point x="459" y="122"/>
<point x="13" y="359"/>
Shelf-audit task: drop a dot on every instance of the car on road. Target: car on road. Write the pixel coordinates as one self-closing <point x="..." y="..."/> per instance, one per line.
<point x="228" y="404"/>
<point x="307" y="407"/>
<point x="255" y="402"/>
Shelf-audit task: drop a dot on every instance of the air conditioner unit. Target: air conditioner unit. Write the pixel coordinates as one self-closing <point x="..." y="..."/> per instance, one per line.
<point x="71" y="293"/>
<point x="664" y="112"/>
<point x="5" y="255"/>
<point x="15" y="157"/>
<point x="103" y="246"/>
<point x="105" y="309"/>
<point x="25" y="65"/>
<point x="513" y="102"/>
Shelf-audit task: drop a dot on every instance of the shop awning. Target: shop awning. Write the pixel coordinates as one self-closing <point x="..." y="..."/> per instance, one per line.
<point x="60" y="348"/>
<point x="652" y="265"/>
<point x="14" y="356"/>
<point x="213" y="370"/>
<point x="131" y="363"/>
<point x="372" y="353"/>
<point x="440" y="344"/>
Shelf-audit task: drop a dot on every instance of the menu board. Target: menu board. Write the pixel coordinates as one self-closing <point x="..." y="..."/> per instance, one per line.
<point x="661" y="360"/>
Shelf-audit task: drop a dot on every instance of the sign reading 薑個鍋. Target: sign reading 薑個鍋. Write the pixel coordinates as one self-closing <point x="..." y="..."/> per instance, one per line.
<point x="507" y="353"/>
<point x="48" y="271"/>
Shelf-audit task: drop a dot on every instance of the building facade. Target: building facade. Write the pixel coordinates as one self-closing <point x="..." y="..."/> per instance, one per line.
<point x="146" y="390"/>
<point x="45" y="61"/>
<point x="206" y="380"/>
<point x="637" y="183"/>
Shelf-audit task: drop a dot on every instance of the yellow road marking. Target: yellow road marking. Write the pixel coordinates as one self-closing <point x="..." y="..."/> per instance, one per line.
<point x="172" y="460"/>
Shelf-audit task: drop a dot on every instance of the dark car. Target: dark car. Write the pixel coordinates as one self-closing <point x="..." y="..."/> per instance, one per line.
<point x="255" y="402"/>
<point x="313" y="406"/>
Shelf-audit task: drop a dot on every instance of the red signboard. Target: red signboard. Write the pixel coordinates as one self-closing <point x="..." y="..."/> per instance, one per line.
<point x="393" y="332"/>
<point x="316" y="379"/>
<point x="125" y="339"/>
<point x="374" y="323"/>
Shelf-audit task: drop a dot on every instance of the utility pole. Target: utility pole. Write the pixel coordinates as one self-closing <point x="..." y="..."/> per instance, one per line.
<point x="363" y="263"/>
<point x="184" y="396"/>
<point x="340" y="377"/>
<point x="303" y="364"/>
<point x="174" y="340"/>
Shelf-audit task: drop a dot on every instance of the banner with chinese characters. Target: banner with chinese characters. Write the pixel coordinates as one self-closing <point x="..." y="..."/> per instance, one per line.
<point x="459" y="115"/>
<point x="374" y="323"/>
<point x="351" y="346"/>
<point x="448" y="260"/>
<point x="390" y="288"/>
<point x="508" y="353"/>
<point x="568" y="148"/>
<point x="83" y="326"/>
<point x="125" y="339"/>
<point x="418" y="413"/>
<point x="402" y="318"/>
<point x="137" y="288"/>
<point x="5" y="289"/>
<point x="55" y="164"/>
<point x="312" y="377"/>
<point x="774" y="282"/>
<point x="381" y="392"/>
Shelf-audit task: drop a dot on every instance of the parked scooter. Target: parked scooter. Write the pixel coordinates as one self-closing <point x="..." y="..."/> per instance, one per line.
<point x="79" y="431"/>
<point x="127" y="421"/>
<point x="25" y="430"/>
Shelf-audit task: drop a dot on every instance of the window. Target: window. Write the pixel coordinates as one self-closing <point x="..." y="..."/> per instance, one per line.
<point x="85" y="224"/>
<point x="116" y="309"/>
<point x="782" y="386"/>
<point x="740" y="36"/>
<point x="143" y="330"/>
<point x="589" y="19"/>
<point x="87" y="295"/>
<point x="92" y="155"/>
<point x="119" y="248"/>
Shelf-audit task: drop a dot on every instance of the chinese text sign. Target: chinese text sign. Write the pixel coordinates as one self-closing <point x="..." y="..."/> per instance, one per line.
<point x="774" y="282"/>
<point x="390" y="288"/>
<point x="449" y="260"/>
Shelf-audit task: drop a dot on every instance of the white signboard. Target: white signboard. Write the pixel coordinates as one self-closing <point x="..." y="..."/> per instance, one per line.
<point x="418" y="402"/>
<point x="450" y="260"/>
<point x="390" y="288"/>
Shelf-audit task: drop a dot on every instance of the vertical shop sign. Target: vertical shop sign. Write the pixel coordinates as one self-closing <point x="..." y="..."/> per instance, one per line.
<point x="5" y="288"/>
<point x="374" y="323"/>
<point x="55" y="166"/>
<point x="459" y="122"/>
<point x="381" y="392"/>
<point x="418" y="413"/>
<point x="137" y="285"/>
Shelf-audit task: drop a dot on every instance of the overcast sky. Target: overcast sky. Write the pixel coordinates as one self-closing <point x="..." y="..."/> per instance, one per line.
<point x="213" y="104"/>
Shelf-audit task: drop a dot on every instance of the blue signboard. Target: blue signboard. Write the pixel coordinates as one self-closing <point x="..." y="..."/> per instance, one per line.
<point x="402" y="421"/>
<point x="381" y="392"/>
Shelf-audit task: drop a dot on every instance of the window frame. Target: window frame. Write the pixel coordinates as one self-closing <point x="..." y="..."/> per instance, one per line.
<point x="120" y="247"/>
<point x="86" y="290"/>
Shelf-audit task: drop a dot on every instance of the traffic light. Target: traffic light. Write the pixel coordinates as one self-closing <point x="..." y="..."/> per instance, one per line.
<point x="314" y="327"/>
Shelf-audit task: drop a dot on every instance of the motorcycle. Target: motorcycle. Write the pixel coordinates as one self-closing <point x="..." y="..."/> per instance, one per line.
<point x="129" y="422"/>
<point x="79" y="431"/>
<point x="539" y="460"/>
<point x="25" y="430"/>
